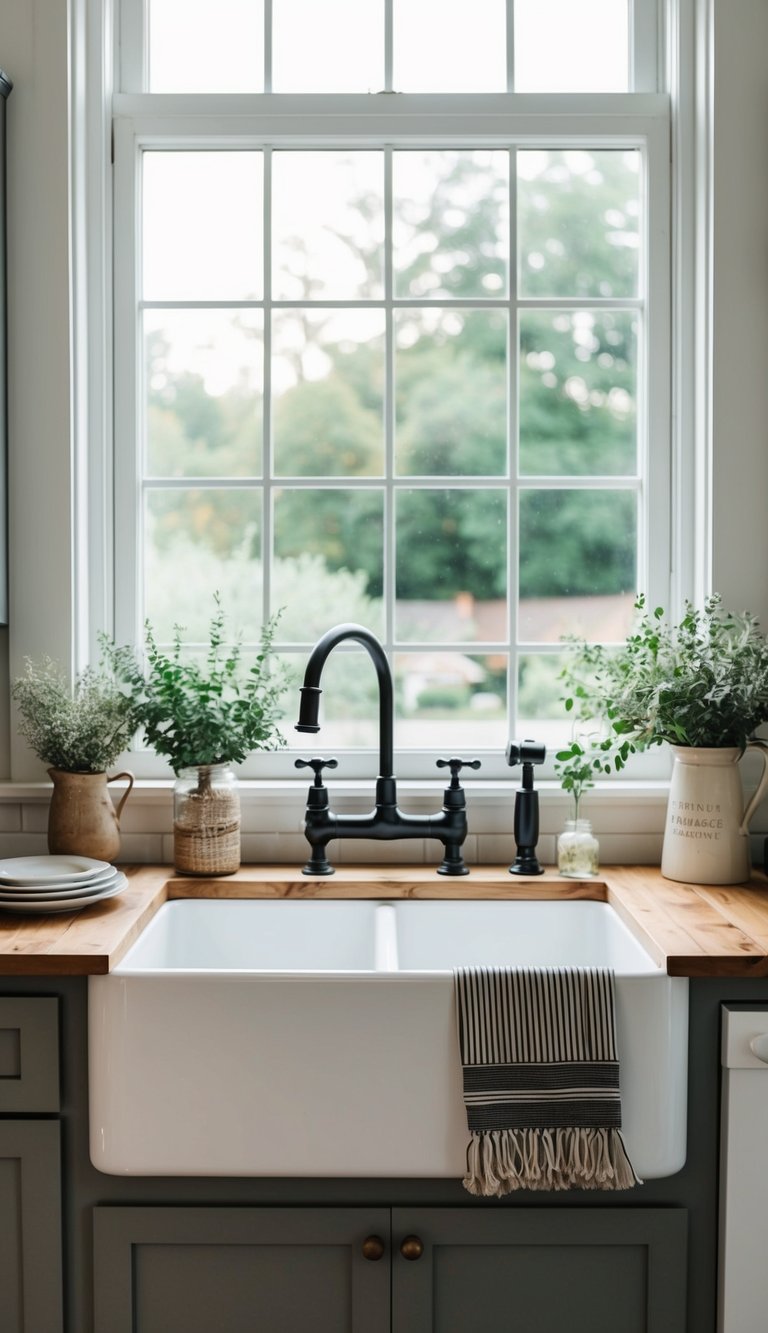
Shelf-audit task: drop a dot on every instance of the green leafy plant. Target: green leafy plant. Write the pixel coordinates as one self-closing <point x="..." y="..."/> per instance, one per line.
<point x="201" y="713"/>
<point x="577" y="768"/>
<point x="78" y="728"/>
<point x="703" y="682"/>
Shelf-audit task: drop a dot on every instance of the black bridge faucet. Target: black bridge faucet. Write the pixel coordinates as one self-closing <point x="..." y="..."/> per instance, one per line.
<point x="385" y="821"/>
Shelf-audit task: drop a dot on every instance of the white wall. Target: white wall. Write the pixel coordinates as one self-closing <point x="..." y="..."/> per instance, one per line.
<point x="34" y="52"/>
<point x="740" y="315"/>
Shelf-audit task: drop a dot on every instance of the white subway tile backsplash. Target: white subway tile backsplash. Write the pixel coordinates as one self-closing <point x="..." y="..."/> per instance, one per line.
<point x="636" y="849"/>
<point x="273" y="813"/>
<point x="23" y="844"/>
<point x="10" y="818"/>
<point x="635" y="818"/>
<point x="141" y="848"/>
<point x="494" y="849"/>
<point x="490" y="816"/>
<point x="34" y="817"/>
<point x="469" y="850"/>
<point x="629" y="825"/>
<point x="274" y="849"/>
<point x="547" y="850"/>
<point x="356" y="851"/>
<point x="147" y="816"/>
<point x="500" y="851"/>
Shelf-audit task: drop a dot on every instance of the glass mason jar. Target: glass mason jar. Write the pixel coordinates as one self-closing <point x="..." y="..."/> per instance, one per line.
<point x="578" y="851"/>
<point x="206" y="820"/>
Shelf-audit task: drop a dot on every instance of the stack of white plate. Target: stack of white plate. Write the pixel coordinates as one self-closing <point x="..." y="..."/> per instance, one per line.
<point x="56" y="883"/>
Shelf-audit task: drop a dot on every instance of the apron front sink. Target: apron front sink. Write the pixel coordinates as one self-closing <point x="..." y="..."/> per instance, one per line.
<point x="318" y="1038"/>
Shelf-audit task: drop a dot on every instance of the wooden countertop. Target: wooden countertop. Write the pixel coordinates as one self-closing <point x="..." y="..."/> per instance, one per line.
<point x="693" y="930"/>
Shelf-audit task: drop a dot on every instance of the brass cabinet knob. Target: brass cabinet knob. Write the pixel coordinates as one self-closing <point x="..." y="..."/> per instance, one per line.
<point x="373" y="1248"/>
<point x="412" y="1247"/>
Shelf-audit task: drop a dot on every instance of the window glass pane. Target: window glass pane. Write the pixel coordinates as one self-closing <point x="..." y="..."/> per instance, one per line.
<point x="451" y="392"/>
<point x="571" y="46"/>
<point x="451" y="566"/>
<point x="340" y="48"/>
<point x="328" y="559"/>
<point x="578" y="552"/>
<point x="578" y="389"/>
<point x="206" y="46"/>
<point x="328" y="225"/>
<point x="539" y="688"/>
<point x="578" y="222"/>
<point x="440" y="48"/>
<point x="204" y="389"/>
<point x="540" y="708"/>
<point x="202" y="233"/>
<point x="328" y="382"/>
<point x="196" y="543"/>
<point x="450" y="223"/>
<point x="465" y="691"/>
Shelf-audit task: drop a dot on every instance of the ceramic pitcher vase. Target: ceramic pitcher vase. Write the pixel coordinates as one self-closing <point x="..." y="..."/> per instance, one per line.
<point x="706" y="839"/>
<point x="82" y="820"/>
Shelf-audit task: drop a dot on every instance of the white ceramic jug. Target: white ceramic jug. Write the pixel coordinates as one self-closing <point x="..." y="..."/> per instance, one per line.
<point x="706" y="839"/>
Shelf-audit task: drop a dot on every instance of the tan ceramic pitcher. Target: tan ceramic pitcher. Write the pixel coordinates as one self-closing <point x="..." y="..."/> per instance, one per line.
<point x="82" y="819"/>
<point x="706" y="839"/>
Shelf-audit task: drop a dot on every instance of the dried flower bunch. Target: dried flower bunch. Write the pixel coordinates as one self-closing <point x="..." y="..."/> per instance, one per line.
<point x="701" y="683"/>
<point x="77" y="729"/>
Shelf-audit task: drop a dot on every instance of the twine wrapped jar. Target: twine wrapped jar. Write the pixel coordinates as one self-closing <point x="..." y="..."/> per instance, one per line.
<point x="206" y="820"/>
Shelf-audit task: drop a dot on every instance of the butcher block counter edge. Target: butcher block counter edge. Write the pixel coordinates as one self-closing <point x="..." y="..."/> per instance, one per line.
<point x="693" y="930"/>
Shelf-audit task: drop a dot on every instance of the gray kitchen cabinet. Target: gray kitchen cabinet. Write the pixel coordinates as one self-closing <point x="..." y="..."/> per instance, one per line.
<point x="278" y="1270"/>
<point x="539" y="1270"/>
<point x="452" y="1270"/>
<point x="29" y="1055"/>
<point x="30" y="1168"/>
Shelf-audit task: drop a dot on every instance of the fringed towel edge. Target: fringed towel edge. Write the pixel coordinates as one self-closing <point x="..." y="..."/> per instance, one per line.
<point x="502" y="1161"/>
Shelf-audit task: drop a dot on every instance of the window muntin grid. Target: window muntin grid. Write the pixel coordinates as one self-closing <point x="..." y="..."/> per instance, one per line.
<point x="368" y="46"/>
<point x="247" y="507"/>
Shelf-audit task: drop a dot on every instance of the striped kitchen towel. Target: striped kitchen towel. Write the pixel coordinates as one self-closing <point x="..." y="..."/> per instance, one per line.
<point x="541" y="1080"/>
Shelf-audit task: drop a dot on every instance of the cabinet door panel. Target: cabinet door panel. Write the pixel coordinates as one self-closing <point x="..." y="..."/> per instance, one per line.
<point x="536" y="1270"/>
<point x="278" y="1270"/>
<point x="30" y="1227"/>
<point x="29" y="1054"/>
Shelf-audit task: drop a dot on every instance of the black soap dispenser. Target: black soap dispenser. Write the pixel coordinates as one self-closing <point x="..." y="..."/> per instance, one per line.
<point x="528" y="753"/>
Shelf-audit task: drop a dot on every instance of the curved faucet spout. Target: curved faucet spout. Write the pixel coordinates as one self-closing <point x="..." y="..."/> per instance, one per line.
<point x="310" y="690"/>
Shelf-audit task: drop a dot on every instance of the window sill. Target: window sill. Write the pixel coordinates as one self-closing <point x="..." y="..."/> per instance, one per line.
<point x="278" y="805"/>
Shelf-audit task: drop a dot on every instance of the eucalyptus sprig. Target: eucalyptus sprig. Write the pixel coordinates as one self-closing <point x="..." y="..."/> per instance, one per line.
<point x="703" y="682"/>
<point x="196" y="714"/>
<point x="578" y="767"/>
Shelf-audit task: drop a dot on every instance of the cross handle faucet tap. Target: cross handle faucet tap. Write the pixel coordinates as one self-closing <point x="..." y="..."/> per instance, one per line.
<point x="456" y="766"/>
<point x="317" y="766"/>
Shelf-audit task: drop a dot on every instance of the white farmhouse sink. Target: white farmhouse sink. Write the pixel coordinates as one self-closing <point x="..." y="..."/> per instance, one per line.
<point x="261" y="1038"/>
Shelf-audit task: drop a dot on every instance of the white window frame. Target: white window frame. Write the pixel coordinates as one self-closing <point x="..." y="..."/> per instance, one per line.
<point x="92" y="596"/>
<point x="646" y="44"/>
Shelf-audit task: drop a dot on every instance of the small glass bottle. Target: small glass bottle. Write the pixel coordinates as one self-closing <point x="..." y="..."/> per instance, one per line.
<point x="578" y="851"/>
<point x="206" y="820"/>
